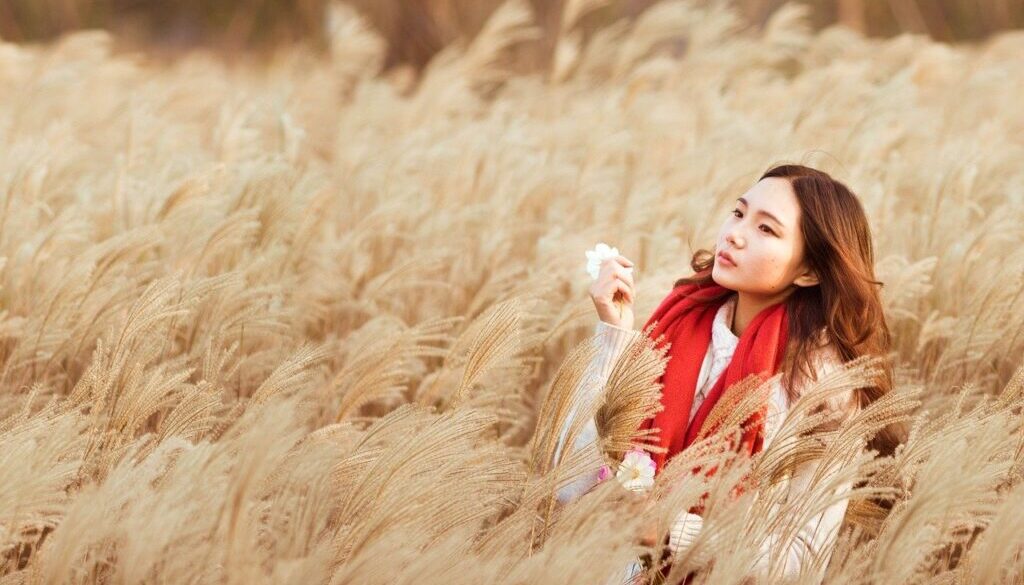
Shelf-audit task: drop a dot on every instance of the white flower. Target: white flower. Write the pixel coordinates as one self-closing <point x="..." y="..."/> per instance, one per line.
<point x="636" y="471"/>
<point x="599" y="254"/>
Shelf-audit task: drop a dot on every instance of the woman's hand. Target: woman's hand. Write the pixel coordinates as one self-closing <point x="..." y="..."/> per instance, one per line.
<point x="613" y="292"/>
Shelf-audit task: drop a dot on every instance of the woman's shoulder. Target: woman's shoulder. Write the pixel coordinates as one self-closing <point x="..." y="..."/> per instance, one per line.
<point x="823" y="361"/>
<point x="826" y="359"/>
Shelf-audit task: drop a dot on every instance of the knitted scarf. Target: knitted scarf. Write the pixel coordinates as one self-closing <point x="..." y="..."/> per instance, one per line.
<point x="686" y="324"/>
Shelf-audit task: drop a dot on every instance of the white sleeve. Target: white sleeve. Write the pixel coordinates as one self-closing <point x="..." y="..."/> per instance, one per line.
<point x="612" y="341"/>
<point x="815" y="539"/>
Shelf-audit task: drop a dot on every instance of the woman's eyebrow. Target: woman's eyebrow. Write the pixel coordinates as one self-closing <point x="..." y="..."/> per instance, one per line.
<point x="763" y="212"/>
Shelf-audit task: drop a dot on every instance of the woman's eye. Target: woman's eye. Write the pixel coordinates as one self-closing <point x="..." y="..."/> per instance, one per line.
<point x="770" y="230"/>
<point x="735" y="211"/>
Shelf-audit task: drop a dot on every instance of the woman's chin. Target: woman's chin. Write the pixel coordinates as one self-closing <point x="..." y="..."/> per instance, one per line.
<point x="722" y="277"/>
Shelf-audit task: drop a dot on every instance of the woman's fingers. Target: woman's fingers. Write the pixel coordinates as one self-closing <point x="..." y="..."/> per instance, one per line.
<point x="620" y="262"/>
<point x="627" y="277"/>
<point x="613" y="267"/>
<point x="623" y="287"/>
<point x="615" y="282"/>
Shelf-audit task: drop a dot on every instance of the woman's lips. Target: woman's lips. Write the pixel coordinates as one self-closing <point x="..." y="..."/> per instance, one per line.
<point x="725" y="260"/>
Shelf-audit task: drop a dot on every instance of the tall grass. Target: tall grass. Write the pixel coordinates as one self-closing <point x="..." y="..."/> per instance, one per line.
<point x="415" y="31"/>
<point x="301" y="322"/>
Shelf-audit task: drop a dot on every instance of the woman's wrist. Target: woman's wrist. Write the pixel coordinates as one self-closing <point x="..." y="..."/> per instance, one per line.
<point x="616" y="324"/>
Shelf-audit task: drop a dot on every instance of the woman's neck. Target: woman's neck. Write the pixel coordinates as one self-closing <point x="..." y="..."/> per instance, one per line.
<point x="749" y="305"/>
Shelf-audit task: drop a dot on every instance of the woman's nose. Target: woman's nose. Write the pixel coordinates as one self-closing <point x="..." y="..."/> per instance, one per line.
<point x="734" y="239"/>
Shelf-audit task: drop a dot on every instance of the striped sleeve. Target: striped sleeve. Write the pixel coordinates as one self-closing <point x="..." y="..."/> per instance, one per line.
<point x="612" y="341"/>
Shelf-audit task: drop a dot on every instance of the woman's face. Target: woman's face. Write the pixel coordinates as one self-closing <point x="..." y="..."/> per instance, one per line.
<point x="762" y="235"/>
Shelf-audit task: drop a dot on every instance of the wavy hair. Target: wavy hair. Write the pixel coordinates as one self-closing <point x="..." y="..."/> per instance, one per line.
<point x="845" y="304"/>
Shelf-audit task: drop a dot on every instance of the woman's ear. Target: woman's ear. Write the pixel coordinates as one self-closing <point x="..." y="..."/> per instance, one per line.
<point x="806" y="278"/>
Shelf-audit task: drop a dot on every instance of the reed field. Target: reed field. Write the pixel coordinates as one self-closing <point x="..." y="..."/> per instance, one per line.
<point x="304" y="319"/>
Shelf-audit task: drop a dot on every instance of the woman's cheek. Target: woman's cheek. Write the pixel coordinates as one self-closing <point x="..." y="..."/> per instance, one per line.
<point x="770" y="275"/>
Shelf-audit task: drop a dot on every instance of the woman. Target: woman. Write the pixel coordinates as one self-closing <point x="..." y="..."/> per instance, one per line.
<point x="789" y="288"/>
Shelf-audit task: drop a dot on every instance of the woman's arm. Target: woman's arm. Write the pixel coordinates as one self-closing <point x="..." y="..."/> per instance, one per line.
<point x="816" y="537"/>
<point x="612" y="341"/>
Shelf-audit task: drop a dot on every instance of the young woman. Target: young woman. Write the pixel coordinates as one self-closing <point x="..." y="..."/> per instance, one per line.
<point x="789" y="288"/>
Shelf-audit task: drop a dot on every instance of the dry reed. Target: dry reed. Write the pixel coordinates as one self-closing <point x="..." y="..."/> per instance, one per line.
<point x="301" y="322"/>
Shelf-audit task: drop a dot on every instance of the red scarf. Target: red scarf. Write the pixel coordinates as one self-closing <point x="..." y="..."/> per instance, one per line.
<point x="686" y="324"/>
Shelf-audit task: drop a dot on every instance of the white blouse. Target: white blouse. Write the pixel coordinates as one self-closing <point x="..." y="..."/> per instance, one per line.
<point x="815" y="537"/>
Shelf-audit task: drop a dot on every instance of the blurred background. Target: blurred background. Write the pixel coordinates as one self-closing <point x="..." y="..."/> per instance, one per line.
<point x="418" y="29"/>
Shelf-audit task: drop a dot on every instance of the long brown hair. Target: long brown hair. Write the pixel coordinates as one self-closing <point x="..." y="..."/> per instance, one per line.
<point x="845" y="303"/>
